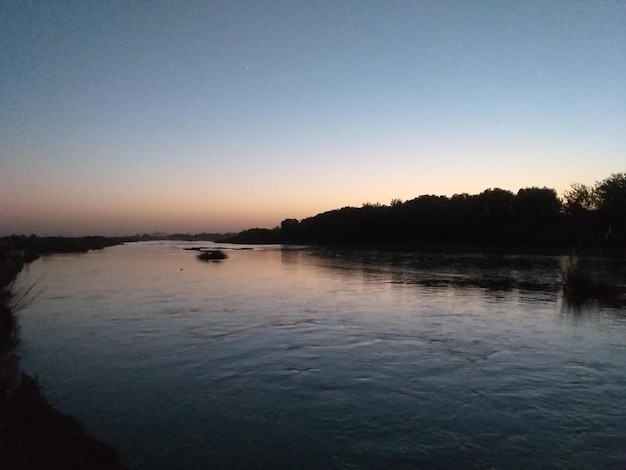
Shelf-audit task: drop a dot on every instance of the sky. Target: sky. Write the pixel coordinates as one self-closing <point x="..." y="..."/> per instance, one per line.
<point x="124" y="117"/>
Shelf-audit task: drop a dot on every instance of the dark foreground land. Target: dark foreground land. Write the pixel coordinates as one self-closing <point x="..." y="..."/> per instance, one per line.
<point x="33" y="434"/>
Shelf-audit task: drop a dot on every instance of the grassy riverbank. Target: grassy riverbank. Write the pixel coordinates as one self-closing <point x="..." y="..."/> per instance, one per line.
<point x="33" y="434"/>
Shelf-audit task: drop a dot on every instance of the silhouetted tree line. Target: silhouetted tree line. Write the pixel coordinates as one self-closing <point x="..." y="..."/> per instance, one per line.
<point x="204" y="236"/>
<point x="587" y="217"/>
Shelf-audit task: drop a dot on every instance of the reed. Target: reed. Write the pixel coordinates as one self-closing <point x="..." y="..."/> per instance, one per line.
<point x="580" y="280"/>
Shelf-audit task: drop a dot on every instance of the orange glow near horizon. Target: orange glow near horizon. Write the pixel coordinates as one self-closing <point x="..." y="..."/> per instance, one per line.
<point x="230" y="118"/>
<point x="73" y="212"/>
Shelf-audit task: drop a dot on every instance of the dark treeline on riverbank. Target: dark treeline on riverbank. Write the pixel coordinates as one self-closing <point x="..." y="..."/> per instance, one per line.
<point x="586" y="218"/>
<point x="202" y="237"/>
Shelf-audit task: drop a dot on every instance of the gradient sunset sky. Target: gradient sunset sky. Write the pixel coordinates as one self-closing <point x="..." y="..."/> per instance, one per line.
<point x="119" y="117"/>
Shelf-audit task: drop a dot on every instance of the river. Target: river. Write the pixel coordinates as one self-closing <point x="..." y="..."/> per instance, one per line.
<point x="297" y="357"/>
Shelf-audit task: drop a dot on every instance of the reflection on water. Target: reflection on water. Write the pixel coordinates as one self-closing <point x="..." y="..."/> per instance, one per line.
<point x="305" y="358"/>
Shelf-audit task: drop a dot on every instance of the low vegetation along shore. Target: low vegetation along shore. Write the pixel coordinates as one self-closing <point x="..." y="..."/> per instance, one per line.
<point x="33" y="434"/>
<point x="582" y="281"/>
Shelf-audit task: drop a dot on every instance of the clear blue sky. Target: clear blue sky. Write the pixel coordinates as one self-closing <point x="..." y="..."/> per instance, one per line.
<point x="119" y="117"/>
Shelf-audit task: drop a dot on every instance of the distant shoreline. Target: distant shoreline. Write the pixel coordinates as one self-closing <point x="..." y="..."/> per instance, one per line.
<point x="28" y="248"/>
<point x="418" y="247"/>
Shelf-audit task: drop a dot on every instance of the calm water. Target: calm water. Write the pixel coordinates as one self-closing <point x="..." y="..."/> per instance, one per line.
<point x="297" y="358"/>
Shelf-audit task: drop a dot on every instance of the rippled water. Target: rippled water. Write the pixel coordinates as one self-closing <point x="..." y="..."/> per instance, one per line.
<point x="299" y="358"/>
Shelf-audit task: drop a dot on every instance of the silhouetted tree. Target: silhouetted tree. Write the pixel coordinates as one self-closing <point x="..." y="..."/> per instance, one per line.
<point x="496" y="207"/>
<point x="536" y="207"/>
<point x="611" y="201"/>
<point x="290" y="231"/>
<point x="579" y="199"/>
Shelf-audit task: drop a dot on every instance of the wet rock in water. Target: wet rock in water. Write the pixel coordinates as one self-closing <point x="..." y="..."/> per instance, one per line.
<point x="212" y="255"/>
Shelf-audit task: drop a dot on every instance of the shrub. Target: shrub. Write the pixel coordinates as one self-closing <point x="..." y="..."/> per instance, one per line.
<point x="581" y="280"/>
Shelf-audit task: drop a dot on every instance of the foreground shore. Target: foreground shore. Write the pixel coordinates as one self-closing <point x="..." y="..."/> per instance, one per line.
<point x="33" y="434"/>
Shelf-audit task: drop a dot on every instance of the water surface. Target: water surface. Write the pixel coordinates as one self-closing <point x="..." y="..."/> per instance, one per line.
<point x="295" y="357"/>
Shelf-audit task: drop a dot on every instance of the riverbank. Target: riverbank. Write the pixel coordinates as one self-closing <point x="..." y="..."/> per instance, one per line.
<point x="33" y="434"/>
